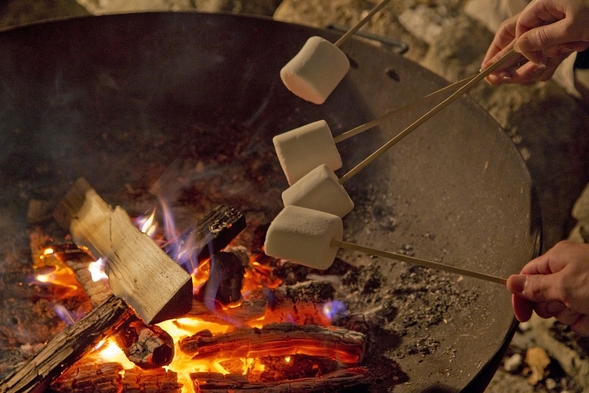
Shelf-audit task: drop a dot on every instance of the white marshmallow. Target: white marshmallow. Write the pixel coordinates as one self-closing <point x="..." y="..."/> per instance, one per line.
<point x="319" y="190"/>
<point x="304" y="236"/>
<point x="315" y="71"/>
<point x="303" y="149"/>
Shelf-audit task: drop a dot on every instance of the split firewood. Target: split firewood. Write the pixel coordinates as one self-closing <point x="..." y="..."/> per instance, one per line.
<point x="337" y="380"/>
<point x="67" y="347"/>
<point x="278" y="339"/>
<point x="209" y="235"/>
<point x="135" y="265"/>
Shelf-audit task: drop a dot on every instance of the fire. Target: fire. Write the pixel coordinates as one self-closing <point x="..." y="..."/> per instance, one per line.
<point x="258" y="278"/>
<point x="147" y="224"/>
<point x="53" y="271"/>
<point x="108" y="351"/>
<point x="96" y="269"/>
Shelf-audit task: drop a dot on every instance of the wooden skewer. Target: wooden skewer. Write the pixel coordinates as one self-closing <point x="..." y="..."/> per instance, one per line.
<point x="361" y="23"/>
<point x="418" y="261"/>
<point x="398" y="112"/>
<point x="467" y="86"/>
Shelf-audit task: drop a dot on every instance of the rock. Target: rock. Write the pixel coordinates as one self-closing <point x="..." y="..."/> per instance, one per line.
<point x="581" y="208"/>
<point x="538" y="360"/>
<point x="17" y="12"/>
<point x="512" y="363"/>
<point x="423" y="22"/>
<point x="321" y="14"/>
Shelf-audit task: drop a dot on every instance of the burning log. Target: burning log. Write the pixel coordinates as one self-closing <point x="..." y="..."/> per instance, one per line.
<point x="277" y="339"/>
<point x="301" y="303"/>
<point x="225" y="279"/>
<point x="110" y="377"/>
<point x="337" y="380"/>
<point x="67" y="347"/>
<point x="211" y="234"/>
<point x="148" y="346"/>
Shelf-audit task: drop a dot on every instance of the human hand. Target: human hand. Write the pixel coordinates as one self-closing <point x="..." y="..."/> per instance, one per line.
<point x="545" y="33"/>
<point x="555" y="284"/>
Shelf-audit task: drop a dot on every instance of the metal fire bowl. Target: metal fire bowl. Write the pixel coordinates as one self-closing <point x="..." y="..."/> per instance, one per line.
<point x="121" y="99"/>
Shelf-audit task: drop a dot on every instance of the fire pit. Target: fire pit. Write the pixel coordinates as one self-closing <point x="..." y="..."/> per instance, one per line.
<point x="183" y="106"/>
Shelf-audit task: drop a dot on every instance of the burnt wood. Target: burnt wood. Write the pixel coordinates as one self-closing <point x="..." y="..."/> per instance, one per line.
<point x="209" y="235"/>
<point x="67" y="347"/>
<point x="148" y="346"/>
<point x="337" y="380"/>
<point x="278" y="339"/>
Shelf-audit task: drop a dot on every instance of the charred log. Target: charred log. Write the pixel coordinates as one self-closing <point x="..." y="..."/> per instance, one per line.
<point x="335" y="381"/>
<point x="67" y="347"/>
<point x="90" y="375"/>
<point x="211" y="234"/>
<point x="279" y="339"/>
<point x="225" y="279"/>
<point x="148" y="346"/>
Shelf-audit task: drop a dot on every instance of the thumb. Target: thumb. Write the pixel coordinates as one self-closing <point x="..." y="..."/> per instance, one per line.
<point x="536" y="288"/>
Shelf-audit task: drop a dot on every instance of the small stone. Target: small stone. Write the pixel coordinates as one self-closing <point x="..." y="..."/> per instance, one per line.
<point x="550" y="383"/>
<point x="512" y="363"/>
<point x="525" y="326"/>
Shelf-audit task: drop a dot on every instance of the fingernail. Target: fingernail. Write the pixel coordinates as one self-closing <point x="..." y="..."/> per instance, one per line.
<point x="539" y="69"/>
<point x="518" y="284"/>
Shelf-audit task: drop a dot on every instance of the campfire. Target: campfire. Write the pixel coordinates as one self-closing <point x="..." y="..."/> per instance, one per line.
<point x="244" y="330"/>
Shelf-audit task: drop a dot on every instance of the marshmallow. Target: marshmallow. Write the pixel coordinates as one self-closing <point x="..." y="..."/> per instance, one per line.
<point x="315" y="71"/>
<point x="319" y="190"/>
<point x="304" y="236"/>
<point x="303" y="149"/>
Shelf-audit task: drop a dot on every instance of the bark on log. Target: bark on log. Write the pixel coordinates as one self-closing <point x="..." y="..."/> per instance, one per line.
<point x="67" y="347"/>
<point x="278" y="339"/>
<point x="335" y="381"/>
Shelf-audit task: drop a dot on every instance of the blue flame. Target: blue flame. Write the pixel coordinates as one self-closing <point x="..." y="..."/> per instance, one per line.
<point x="334" y="310"/>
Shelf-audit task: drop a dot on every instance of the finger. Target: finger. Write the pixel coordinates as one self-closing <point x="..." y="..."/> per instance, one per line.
<point x="581" y="327"/>
<point x="522" y="308"/>
<point x="548" y="36"/>
<point x="568" y="317"/>
<point x="509" y="63"/>
<point x="549" y="309"/>
<point x="503" y="38"/>
<point x="525" y="74"/>
<point x="535" y="288"/>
